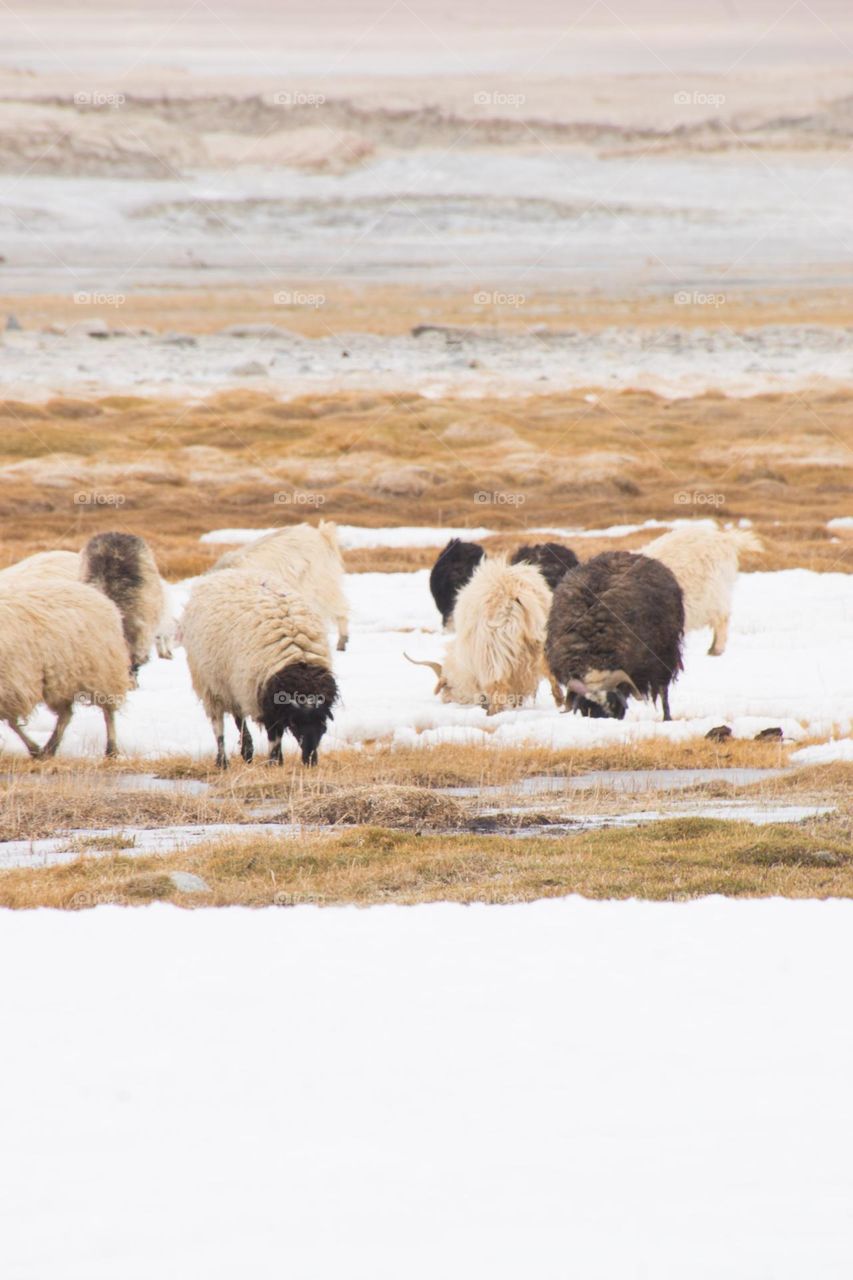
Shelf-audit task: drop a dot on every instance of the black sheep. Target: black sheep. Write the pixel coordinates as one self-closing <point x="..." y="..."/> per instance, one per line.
<point x="552" y="559"/>
<point x="615" y="628"/>
<point x="453" y="568"/>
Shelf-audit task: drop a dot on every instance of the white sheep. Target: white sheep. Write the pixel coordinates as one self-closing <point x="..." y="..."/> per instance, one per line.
<point x="60" y="643"/>
<point x="122" y="566"/>
<point x="496" y="657"/>
<point x="255" y="648"/>
<point x="705" y="563"/>
<point x="308" y="560"/>
<point x="61" y="565"/>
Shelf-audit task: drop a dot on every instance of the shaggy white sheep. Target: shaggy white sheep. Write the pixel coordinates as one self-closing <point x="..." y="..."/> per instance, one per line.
<point x="122" y="566"/>
<point x="496" y="657"/>
<point x="705" y="564"/>
<point x="257" y="649"/>
<point x="308" y="560"/>
<point x="60" y="643"/>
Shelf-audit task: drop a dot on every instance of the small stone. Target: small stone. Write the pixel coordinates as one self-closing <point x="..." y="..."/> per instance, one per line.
<point x="12" y="322"/>
<point x="251" y="369"/>
<point x="769" y="735"/>
<point x="186" y="882"/>
<point x="179" y="340"/>
<point x="720" y="733"/>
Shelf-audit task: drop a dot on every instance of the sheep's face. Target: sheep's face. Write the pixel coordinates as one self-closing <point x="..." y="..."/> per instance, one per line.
<point x="602" y="693"/>
<point x="299" y="700"/>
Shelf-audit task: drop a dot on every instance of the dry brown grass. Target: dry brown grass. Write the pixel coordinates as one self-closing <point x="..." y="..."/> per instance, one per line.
<point x="672" y="860"/>
<point x="181" y="469"/>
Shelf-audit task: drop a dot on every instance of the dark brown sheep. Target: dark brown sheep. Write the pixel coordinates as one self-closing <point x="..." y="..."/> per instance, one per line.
<point x="552" y="559"/>
<point x="615" y="629"/>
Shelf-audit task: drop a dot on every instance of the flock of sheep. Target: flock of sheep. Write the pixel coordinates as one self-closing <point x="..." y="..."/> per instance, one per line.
<point x="76" y="627"/>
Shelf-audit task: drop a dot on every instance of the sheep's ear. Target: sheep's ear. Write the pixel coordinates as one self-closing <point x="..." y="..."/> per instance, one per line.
<point x="578" y="686"/>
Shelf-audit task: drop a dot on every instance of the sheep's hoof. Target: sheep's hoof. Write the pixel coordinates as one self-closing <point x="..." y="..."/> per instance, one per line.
<point x="111" y="752"/>
<point x="342" y="643"/>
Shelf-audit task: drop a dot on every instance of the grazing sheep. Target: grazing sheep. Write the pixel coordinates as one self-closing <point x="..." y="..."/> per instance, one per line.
<point x="306" y="559"/>
<point x="496" y="656"/>
<point x="615" y="628"/>
<point x="450" y="573"/>
<point x="62" y="565"/>
<point x="552" y="559"/>
<point x="122" y="566"/>
<point x="257" y="649"/>
<point x="60" y="643"/>
<point x="705" y="562"/>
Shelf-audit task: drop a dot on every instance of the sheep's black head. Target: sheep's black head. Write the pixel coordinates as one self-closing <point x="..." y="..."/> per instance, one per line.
<point x="298" y="700"/>
<point x="602" y="693"/>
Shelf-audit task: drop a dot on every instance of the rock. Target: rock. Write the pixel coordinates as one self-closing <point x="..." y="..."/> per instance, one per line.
<point x="256" y="331"/>
<point x="12" y="322"/>
<point x="770" y="735"/>
<point x="720" y="733"/>
<point x="97" y="328"/>
<point x="251" y="369"/>
<point x="827" y="857"/>
<point x="179" y="340"/>
<point x="186" y="882"/>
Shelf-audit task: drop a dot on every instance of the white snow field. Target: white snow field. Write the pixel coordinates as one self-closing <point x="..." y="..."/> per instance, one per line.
<point x="787" y="664"/>
<point x="566" y="1088"/>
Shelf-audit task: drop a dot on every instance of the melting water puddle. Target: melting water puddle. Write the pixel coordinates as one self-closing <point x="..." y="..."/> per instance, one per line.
<point x="630" y="781"/>
<point x="125" y="782"/>
<point x="131" y="841"/>
<point x="495" y="824"/>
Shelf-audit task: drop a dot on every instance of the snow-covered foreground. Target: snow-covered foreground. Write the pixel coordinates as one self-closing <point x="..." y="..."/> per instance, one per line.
<point x="565" y="1088"/>
<point x="787" y="664"/>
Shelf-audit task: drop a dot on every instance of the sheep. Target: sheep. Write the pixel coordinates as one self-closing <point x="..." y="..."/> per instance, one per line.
<point x="306" y="559"/>
<point x="62" y="565"/>
<point x="256" y="649"/>
<point x="615" y="628"/>
<point x="450" y="573"/>
<point x="60" y="642"/>
<point x="552" y="560"/>
<point x="705" y="562"/>
<point x="495" y="659"/>
<point x="122" y="566"/>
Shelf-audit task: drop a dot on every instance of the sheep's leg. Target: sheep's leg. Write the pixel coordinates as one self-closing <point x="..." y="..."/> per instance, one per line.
<point x="721" y="635"/>
<point x="63" y="716"/>
<point x="664" y="698"/>
<point x="110" y="722"/>
<point x="342" y="623"/>
<point x="556" y="690"/>
<point x="275" y="751"/>
<point x="247" y="746"/>
<point x="217" y="720"/>
<point x="33" y="747"/>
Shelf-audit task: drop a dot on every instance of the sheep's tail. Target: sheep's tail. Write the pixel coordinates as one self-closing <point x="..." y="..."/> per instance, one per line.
<point x="743" y="540"/>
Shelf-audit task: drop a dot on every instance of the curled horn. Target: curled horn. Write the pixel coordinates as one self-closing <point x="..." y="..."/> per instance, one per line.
<point x="423" y="662"/>
<point x="612" y="679"/>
